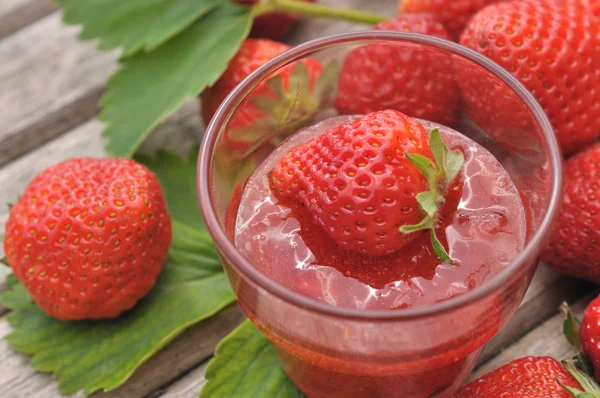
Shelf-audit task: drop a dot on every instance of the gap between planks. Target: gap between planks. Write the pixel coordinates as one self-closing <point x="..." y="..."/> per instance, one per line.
<point x="51" y="82"/>
<point x="53" y="86"/>
<point x="16" y="14"/>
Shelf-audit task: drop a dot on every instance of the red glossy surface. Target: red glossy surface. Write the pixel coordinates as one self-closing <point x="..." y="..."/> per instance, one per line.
<point x="483" y="228"/>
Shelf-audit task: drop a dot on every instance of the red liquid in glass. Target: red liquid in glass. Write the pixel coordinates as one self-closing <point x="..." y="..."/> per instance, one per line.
<point x="483" y="227"/>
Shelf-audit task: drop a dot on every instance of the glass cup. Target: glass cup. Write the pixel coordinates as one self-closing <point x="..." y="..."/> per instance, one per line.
<point x="420" y="352"/>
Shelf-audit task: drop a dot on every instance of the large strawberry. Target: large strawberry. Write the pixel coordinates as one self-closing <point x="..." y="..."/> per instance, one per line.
<point x="372" y="182"/>
<point x="89" y="237"/>
<point x="553" y="48"/>
<point x="589" y="335"/>
<point x="574" y="247"/>
<point x="539" y="377"/>
<point x="291" y="96"/>
<point x="454" y="15"/>
<point x="273" y="25"/>
<point x="415" y="80"/>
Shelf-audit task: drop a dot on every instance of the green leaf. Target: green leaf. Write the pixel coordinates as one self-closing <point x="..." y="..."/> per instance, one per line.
<point x="107" y="352"/>
<point x="425" y="165"/>
<point x="245" y="365"/>
<point x="427" y="203"/>
<point x="191" y="287"/>
<point x="134" y="24"/>
<point x="454" y="162"/>
<point x="150" y="86"/>
<point x="177" y="178"/>
<point x="439" y="249"/>
<point x="571" y="327"/>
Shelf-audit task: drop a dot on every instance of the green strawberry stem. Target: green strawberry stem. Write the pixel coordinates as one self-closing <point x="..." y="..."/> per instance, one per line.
<point x="316" y="10"/>
<point x="591" y="389"/>
<point x="440" y="176"/>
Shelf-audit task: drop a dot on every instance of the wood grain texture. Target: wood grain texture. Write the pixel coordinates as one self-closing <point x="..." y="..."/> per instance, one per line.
<point x="50" y="83"/>
<point x="8" y="6"/>
<point x="179" y="133"/>
<point x="15" y="14"/>
<point x="541" y="301"/>
<point x="187" y="387"/>
<point x="194" y="346"/>
<point x="546" y="339"/>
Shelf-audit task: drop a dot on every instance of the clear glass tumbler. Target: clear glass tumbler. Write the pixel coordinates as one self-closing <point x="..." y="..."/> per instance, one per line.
<point x="415" y="352"/>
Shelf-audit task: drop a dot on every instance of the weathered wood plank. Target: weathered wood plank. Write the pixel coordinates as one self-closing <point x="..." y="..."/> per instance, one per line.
<point x="547" y="291"/>
<point x="16" y="14"/>
<point x="187" y="387"/>
<point x="178" y="134"/>
<point x="50" y="83"/>
<point x="19" y="380"/>
<point x="8" y="6"/>
<point x="545" y="340"/>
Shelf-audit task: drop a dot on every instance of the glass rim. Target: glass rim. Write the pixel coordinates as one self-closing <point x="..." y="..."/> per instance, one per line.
<point x="240" y="263"/>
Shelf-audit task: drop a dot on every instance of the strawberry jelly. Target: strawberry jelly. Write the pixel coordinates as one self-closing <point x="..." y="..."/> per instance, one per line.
<point x="482" y="226"/>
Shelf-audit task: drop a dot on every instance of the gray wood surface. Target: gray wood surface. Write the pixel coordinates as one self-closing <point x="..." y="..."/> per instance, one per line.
<point x="49" y="85"/>
<point x="15" y="14"/>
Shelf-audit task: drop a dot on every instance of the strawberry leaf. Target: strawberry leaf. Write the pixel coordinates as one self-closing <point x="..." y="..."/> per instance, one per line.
<point x="134" y="25"/>
<point x="245" y="365"/>
<point x="177" y="178"/>
<point x="108" y="352"/>
<point x="149" y="86"/>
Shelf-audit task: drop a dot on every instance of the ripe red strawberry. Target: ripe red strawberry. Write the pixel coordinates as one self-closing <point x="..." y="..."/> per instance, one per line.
<point x="524" y="377"/>
<point x="89" y="237"/>
<point x="553" y="49"/>
<point x="252" y="54"/>
<point x="574" y="247"/>
<point x="416" y="81"/>
<point x="273" y="25"/>
<point x="454" y="15"/>
<point x="589" y="335"/>
<point x="291" y="103"/>
<point x="364" y="181"/>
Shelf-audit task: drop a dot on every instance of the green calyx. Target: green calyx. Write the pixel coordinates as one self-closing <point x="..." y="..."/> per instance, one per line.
<point x="440" y="176"/>
<point x="284" y="111"/>
<point x="591" y="389"/>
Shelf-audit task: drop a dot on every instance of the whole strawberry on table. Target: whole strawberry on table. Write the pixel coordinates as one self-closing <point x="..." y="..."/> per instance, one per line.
<point x="89" y="237"/>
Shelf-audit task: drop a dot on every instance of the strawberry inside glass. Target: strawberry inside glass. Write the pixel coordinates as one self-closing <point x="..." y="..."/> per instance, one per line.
<point x="336" y="235"/>
<point x="374" y="224"/>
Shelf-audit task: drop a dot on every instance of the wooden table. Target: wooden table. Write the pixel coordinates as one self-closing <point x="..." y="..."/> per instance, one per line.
<point x="49" y="87"/>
